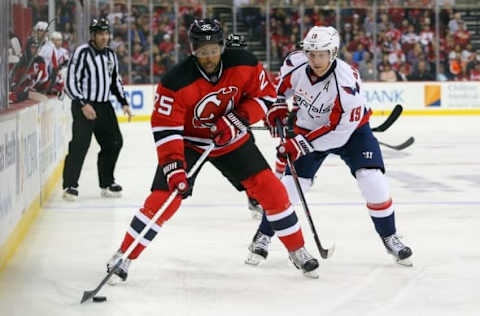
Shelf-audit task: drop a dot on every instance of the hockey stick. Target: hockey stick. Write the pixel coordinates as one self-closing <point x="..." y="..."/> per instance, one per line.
<point x="394" y="115"/>
<point x="91" y="294"/>
<point x="396" y="112"/>
<point x="324" y="252"/>
<point x="401" y="146"/>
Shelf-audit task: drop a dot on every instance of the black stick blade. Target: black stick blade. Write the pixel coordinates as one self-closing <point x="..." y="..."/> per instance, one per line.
<point x="327" y="253"/>
<point x="397" y="110"/>
<point x="87" y="295"/>
<point x="401" y="146"/>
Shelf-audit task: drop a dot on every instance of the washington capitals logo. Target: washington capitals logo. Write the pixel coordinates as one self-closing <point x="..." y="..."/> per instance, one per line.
<point x="214" y="105"/>
<point x="352" y="91"/>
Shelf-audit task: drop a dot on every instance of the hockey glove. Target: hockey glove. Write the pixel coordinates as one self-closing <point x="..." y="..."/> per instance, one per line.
<point x="294" y="148"/>
<point x="227" y="128"/>
<point x="280" y="167"/>
<point x="279" y="111"/>
<point x="176" y="178"/>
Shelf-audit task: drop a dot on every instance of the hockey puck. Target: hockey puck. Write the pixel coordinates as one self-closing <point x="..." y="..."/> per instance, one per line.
<point x="99" y="299"/>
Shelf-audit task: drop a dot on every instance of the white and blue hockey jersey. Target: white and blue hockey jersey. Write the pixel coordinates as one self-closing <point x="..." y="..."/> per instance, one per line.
<point x="331" y="107"/>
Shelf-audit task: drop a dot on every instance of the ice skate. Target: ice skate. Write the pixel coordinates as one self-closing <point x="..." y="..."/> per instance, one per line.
<point x="121" y="273"/>
<point x="398" y="250"/>
<point x="304" y="261"/>
<point x="258" y="249"/>
<point x="70" y="194"/>
<point x="112" y="191"/>
<point x="255" y="208"/>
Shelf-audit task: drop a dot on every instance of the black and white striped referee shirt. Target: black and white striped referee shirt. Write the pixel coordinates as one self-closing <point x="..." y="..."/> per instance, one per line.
<point x="93" y="74"/>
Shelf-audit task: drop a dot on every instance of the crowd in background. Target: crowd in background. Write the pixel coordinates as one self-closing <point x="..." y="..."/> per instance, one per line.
<point x="398" y="44"/>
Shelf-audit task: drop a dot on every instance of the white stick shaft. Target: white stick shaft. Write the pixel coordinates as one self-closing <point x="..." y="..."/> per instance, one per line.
<point x="166" y="204"/>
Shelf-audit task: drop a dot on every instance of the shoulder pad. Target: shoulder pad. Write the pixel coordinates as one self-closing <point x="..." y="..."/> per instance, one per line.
<point x="181" y="75"/>
<point x="293" y="61"/>
<point x="346" y="73"/>
<point x="238" y="57"/>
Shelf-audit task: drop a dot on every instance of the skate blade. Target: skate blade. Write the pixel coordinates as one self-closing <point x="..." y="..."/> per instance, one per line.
<point x="69" y="197"/>
<point x="114" y="280"/>
<point x="311" y="274"/>
<point x="111" y="195"/>
<point x="254" y="260"/>
<point x="405" y="262"/>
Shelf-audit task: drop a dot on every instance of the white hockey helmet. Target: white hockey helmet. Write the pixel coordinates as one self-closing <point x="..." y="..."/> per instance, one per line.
<point x="322" y="38"/>
<point x="56" y="36"/>
<point x="41" y="26"/>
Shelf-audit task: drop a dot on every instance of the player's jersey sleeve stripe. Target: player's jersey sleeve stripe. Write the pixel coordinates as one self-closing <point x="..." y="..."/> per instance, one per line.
<point x="159" y="135"/>
<point x="167" y="139"/>
<point x="164" y="128"/>
<point x="269" y="99"/>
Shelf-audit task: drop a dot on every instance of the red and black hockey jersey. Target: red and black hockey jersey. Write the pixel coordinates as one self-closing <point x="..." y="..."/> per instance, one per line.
<point x="188" y="103"/>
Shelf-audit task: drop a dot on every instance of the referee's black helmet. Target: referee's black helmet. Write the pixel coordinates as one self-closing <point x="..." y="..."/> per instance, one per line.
<point x="204" y="31"/>
<point x="101" y="24"/>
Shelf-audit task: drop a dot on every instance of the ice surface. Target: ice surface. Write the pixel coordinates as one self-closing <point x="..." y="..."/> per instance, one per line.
<point x="195" y="266"/>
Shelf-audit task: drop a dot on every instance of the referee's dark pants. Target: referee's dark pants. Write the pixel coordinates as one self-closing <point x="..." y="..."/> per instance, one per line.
<point x="106" y="131"/>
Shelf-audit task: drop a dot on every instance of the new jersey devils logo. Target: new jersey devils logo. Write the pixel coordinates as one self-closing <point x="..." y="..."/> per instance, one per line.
<point x="213" y="106"/>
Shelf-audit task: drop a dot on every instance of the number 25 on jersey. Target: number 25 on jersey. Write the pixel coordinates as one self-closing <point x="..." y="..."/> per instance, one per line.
<point x="165" y="104"/>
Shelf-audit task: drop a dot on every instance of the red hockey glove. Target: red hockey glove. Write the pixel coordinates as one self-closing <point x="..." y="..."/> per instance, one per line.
<point x="176" y="178"/>
<point x="294" y="148"/>
<point x="227" y="128"/>
<point x="278" y="111"/>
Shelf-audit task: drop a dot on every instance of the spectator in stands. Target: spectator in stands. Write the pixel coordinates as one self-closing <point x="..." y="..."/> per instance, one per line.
<point x="388" y="74"/>
<point x="441" y="75"/>
<point x="39" y="10"/>
<point x="369" y="23"/>
<point x="367" y="57"/>
<point x="384" y="23"/>
<point x="367" y="72"/>
<point x="462" y="36"/>
<point x="359" y="53"/>
<point x="453" y="25"/>
<point x="467" y="55"/>
<point x="166" y="45"/>
<point x="475" y="72"/>
<point x="426" y="34"/>
<point x="474" y="59"/>
<point x="383" y="63"/>
<point x="403" y="72"/>
<point x="415" y="55"/>
<point x="410" y="38"/>
<point x="455" y="65"/>
<point x="347" y="34"/>
<point x="69" y="36"/>
<point x="65" y="10"/>
<point x="421" y="73"/>
<point x="140" y="64"/>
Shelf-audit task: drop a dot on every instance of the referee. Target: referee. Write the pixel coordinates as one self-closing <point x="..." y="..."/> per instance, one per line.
<point x="91" y="76"/>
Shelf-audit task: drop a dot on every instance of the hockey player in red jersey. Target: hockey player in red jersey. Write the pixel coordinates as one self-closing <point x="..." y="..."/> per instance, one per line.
<point x="332" y="118"/>
<point x="29" y="74"/>
<point x="213" y="96"/>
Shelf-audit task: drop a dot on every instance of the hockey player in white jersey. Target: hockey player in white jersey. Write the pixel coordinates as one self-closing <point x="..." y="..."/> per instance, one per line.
<point x="332" y="118"/>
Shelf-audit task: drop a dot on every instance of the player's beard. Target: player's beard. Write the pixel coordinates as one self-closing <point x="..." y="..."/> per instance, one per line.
<point x="210" y="67"/>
